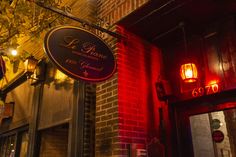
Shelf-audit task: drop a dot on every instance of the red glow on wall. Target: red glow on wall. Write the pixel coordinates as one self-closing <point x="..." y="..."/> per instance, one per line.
<point x="139" y="67"/>
<point x="212" y="82"/>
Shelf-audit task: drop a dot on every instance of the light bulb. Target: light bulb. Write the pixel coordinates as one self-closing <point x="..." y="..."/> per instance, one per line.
<point x="14" y="52"/>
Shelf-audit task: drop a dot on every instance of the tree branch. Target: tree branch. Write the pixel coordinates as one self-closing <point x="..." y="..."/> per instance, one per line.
<point x="8" y="38"/>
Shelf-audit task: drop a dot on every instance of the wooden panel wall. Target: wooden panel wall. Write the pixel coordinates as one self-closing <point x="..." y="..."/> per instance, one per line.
<point x="56" y="104"/>
<point x="22" y="96"/>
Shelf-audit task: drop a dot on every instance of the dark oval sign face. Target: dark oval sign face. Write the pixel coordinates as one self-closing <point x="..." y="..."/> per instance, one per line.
<point x="79" y="54"/>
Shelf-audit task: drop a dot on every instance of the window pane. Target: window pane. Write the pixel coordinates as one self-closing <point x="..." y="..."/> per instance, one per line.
<point x="24" y="144"/>
<point x="9" y="146"/>
<point x="214" y="134"/>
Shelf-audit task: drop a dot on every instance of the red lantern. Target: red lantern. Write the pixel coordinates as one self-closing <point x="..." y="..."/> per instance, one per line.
<point x="188" y="72"/>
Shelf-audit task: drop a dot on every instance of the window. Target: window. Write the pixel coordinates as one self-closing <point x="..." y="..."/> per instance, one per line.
<point x="8" y="146"/>
<point x="14" y="143"/>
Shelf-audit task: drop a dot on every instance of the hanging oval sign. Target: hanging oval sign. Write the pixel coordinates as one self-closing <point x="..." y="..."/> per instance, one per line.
<point x="79" y="54"/>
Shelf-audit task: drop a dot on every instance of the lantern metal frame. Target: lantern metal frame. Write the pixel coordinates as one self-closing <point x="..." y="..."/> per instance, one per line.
<point x="30" y="64"/>
<point x="35" y="70"/>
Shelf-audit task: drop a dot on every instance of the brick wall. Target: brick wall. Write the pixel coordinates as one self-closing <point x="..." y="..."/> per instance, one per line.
<point x="89" y="123"/>
<point x="114" y="10"/>
<point x="84" y="9"/>
<point x="139" y="65"/>
<point x="127" y="105"/>
<point x="107" y="118"/>
<point x="110" y="137"/>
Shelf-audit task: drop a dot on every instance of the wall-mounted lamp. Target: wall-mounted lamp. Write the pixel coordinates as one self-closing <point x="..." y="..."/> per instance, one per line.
<point x="35" y="70"/>
<point x="30" y="64"/>
<point x="188" y="70"/>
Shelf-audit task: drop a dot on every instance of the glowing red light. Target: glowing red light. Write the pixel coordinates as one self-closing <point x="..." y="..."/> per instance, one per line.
<point x="188" y="72"/>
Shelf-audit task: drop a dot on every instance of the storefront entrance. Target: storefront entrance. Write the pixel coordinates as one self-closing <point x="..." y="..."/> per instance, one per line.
<point x="206" y="127"/>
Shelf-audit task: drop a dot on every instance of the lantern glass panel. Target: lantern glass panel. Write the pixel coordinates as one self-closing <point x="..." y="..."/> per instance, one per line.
<point x="188" y="72"/>
<point x="30" y="64"/>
